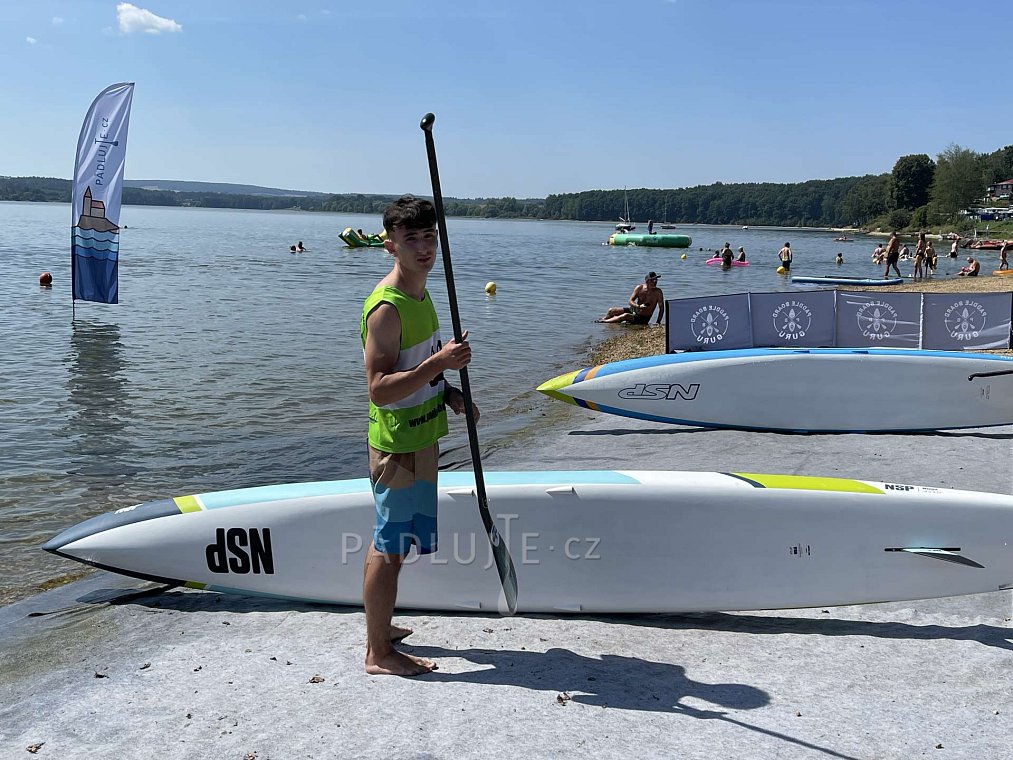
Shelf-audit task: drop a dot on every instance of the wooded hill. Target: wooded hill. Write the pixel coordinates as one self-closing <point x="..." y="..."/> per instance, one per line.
<point x="918" y="193"/>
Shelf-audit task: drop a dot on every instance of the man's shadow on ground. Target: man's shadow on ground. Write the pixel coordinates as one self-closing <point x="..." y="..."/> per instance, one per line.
<point x="627" y="683"/>
<point x="608" y="681"/>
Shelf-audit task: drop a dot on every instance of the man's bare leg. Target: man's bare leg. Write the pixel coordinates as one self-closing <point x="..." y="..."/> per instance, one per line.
<point x="379" y="592"/>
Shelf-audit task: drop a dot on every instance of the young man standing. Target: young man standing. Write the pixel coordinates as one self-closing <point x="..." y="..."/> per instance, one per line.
<point x="405" y="361"/>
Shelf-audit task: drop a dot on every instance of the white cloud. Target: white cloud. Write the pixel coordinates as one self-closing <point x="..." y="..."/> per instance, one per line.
<point x="57" y="20"/>
<point x="326" y="12"/>
<point x="301" y="17"/>
<point x="30" y="40"/>
<point x="133" y="19"/>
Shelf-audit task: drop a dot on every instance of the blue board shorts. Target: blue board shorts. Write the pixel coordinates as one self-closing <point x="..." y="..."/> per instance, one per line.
<point x="404" y="490"/>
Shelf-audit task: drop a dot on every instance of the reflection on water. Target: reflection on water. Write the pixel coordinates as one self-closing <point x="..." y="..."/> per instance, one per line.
<point x="99" y="398"/>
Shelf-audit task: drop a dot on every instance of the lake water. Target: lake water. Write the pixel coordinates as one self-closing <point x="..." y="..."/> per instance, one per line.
<point x="230" y="362"/>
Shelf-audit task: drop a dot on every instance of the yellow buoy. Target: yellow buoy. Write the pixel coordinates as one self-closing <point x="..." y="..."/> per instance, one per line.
<point x="490" y="288"/>
<point x="780" y="270"/>
<point x="683" y="257"/>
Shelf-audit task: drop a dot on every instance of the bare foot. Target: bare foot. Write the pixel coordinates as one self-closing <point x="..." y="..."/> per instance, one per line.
<point x="397" y="633"/>
<point x="397" y="663"/>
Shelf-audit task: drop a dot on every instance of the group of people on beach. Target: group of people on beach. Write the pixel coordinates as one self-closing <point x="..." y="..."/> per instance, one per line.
<point x="925" y="258"/>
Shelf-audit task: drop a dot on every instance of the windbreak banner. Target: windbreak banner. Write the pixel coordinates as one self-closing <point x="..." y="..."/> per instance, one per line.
<point x="709" y="323"/>
<point x="793" y="319"/>
<point x="95" y="202"/>
<point x="966" y="321"/>
<point x="869" y="320"/>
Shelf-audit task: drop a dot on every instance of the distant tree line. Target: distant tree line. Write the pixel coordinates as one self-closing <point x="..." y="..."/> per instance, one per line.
<point x="918" y="193"/>
<point x="53" y="190"/>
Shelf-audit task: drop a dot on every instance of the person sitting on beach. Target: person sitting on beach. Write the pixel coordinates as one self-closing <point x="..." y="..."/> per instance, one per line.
<point x="645" y="298"/>
<point x="892" y="255"/>
<point x="1003" y="263"/>
<point x="840" y="258"/>
<point x="742" y="254"/>
<point x="299" y="247"/>
<point x="972" y="269"/>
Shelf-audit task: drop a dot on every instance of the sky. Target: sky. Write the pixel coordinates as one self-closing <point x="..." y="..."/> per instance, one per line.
<point x="531" y="97"/>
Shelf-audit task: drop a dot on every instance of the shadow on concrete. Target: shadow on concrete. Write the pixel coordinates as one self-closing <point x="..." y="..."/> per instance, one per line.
<point x="608" y="681"/>
<point x="989" y="635"/>
<point x="175" y="598"/>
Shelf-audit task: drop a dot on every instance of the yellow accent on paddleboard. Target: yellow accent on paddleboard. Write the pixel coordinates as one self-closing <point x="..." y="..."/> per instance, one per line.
<point x="807" y="483"/>
<point x="551" y="387"/>
<point x="196" y="585"/>
<point x="187" y="504"/>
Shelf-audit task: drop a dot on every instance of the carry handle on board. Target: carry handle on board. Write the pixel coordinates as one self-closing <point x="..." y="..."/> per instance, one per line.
<point x="504" y="564"/>
<point x="991" y="374"/>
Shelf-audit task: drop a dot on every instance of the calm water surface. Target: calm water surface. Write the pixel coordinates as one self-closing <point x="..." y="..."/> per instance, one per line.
<point x="230" y="362"/>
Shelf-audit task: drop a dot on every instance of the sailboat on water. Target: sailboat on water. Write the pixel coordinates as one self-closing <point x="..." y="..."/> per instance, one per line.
<point x="665" y="225"/>
<point x="625" y="223"/>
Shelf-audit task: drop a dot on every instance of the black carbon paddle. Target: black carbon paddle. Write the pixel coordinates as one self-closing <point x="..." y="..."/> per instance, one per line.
<point x="504" y="564"/>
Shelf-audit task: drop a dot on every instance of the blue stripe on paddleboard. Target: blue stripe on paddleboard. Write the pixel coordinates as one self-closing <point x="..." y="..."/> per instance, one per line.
<point x="757" y="353"/>
<point x="285" y="491"/>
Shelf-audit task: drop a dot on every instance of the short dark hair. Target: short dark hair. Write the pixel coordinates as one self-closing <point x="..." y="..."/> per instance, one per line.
<point x="409" y="212"/>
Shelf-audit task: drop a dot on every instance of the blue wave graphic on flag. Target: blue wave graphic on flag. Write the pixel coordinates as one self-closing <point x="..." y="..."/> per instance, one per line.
<point x="98" y="246"/>
<point x="102" y="237"/>
<point x="95" y="253"/>
<point x="95" y="257"/>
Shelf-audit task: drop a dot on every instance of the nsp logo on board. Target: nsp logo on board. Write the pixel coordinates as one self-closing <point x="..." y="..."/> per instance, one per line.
<point x="660" y="391"/>
<point x="965" y="319"/>
<point x="709" y="324"/>
<point x="792" y="320"/>
<point x="250" y="550"/>
<point x="877" y="320"/>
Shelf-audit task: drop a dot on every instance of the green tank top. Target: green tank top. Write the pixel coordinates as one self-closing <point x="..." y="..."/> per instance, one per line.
<point x="419" y="420"/>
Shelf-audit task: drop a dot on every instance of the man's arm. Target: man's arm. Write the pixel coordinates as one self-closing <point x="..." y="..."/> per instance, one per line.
<point x="661" y="304"/>
<point x="383" y="345"/>
<point x="635" y="297"/>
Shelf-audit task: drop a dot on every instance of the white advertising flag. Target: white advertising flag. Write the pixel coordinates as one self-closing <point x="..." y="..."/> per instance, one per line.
<point x="97" y="186"/>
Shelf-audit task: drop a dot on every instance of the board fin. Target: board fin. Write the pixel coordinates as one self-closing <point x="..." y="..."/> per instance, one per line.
<point x="945" y="554"/>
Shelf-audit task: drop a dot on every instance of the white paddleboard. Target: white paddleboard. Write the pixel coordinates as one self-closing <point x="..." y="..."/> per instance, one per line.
<point x="595" y="541"/>
<point x="800" y="390"/>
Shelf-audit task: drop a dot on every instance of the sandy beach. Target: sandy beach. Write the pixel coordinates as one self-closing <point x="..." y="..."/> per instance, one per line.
<point x="108" y="667"/>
